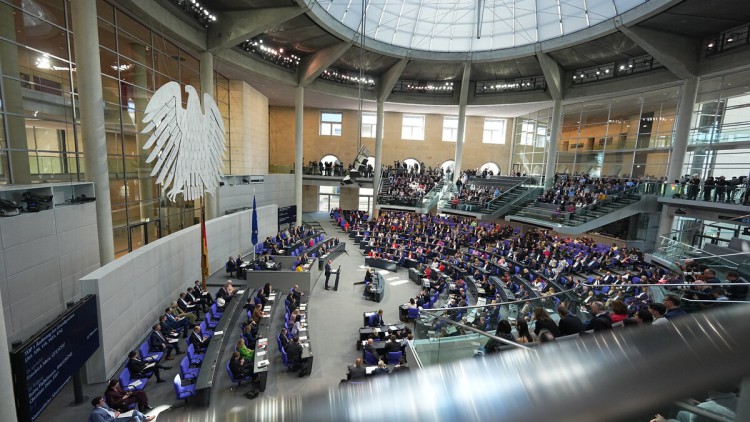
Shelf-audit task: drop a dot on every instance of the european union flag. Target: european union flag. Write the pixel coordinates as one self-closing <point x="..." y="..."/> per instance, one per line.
<point x="254" y="238"/>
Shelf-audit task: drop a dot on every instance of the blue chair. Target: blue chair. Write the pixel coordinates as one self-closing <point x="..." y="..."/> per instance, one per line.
<point x="278" y="342"/>
<point x="125" y="381"/>
<point x="371" y="320"/>
<point x="205" y="331"/>
<point x="147" y="355"/>
<point x="412" y="313"/>
<point x="183" y="393"/>
<point x="370" y="359"/>
<point x="215" y="311"/>
<point x="394" y="357"/>
<point x="237" y="380"/>
<point x="210" y="323"/>
<point x="257" y="300"/>
<point x="186" y="371"/>
<point x="195" y="358"/>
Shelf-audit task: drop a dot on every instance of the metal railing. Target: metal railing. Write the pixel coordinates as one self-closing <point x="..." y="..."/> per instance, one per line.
<point x="590" y="212"/>
<point x="546" y="385"/>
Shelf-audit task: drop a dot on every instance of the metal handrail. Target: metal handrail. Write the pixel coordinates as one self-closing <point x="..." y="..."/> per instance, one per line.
<point x="546" y="385"/>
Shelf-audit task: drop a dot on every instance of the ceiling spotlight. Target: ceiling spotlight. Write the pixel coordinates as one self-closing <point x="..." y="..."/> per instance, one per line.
<point x="711" y="44"/>
<point x="622" y="67"/>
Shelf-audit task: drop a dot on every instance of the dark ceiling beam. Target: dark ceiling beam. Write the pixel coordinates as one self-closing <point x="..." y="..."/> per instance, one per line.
<point x="676" y="52"/>
<point x="313" y="65"/>
<point x="234" y="27"/>
<point x="389" y="78"/>
<point x="554" y="74"/>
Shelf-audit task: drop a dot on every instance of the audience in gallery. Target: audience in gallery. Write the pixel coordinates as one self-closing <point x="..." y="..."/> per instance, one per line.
<point x="607" y="278"/>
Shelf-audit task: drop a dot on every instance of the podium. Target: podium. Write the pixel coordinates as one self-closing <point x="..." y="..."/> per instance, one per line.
<point x="336" y="284"/>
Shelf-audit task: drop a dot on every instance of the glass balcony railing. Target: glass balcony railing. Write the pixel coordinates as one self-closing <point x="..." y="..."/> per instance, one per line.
<point x="734" y="193"/>
<point x="613" y="202"/>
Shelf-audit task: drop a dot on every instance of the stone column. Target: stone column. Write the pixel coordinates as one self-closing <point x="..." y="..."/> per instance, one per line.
<point x="379" y="126"/>
<point x="207" y="86"/>
<point x="91" y="105"/>
<point x="463" y="100"/>
<point x="554" y="139"/>
<point x="682" y="128"/>
<point x="299" y="112"/>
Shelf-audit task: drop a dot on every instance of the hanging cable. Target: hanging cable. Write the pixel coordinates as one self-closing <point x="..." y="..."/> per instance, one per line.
<point x="363" y="27"/>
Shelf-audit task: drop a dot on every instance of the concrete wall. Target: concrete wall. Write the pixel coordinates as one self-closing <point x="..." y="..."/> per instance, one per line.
<point x="349" y="199"/>
<point x="432" y="151"/>
<point x="136" y="288"/>
<point x="276" y="189"/>
<point x="248" y="130"/>
<point x="42" y="255"/>
<point x="310" y="198"/>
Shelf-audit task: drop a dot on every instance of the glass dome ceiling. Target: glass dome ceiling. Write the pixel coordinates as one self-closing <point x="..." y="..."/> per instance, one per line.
<point x="470" y="25"/>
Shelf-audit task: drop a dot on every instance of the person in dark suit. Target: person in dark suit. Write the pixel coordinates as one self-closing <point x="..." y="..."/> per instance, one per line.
<point x="186" y="306"/>
<point x="370" y="347"/>
<point x="544" y="322"/>
<point x="357" y="371"/>
<point x="294" y="354"/>
<point x="328" y="272"/>
<point x="158" y="343"/>
<point x="121" y="399"/>
<point x="199" y="291"/>
<point x="177" y="324"/>
<point x="198" y="341"/>
<point x="239" y="367"/>
<point x="230" y="266"/>
<point x="381" y="369"/>
<point x="377" y="319"/>
<point x="284" y="338"/>
<point x="569" y="324"/>
<point x="601" y="320"/>
<point x="196" y="299"/>
<point x="138" y="368"/>
<point x="238" y="264"/>
<point x="392" y="345"/>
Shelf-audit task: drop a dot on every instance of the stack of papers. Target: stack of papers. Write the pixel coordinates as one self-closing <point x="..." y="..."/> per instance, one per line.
<point x="272" y="296"/>
<point x="135" y="384"/>
<point x="239" y="292"/>
<point x="303" y="338"/>
<point x="263" y="363"/>
<point x="172" y="340"/>
<point x="263" y="343"/>
<point x="218" y="333"/>
<point x="267" y="309"/>
<point x="392" y="327"/>
<point x="261" y="353"/>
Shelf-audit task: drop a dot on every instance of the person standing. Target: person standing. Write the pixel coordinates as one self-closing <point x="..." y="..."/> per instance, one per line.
<point x="328" y="272"/>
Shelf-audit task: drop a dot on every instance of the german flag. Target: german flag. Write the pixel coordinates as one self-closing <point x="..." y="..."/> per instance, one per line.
<point x="204" y="247"/>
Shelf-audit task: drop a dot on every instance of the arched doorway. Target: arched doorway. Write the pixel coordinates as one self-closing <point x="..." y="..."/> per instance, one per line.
<point x="448" y="167"/>
<point x="330" y="165"/>
<point x="412" y="165"/>
<point x="490" y="167"/>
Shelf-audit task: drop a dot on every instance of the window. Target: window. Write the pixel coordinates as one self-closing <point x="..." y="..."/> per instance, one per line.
<point x="412" y="127"/>
<point x="365" y="199"/>
<point x="330" y="123"/>
<point x="494" y="131"/>
<point x="450" y="128"/>
<point x="369" y="123"/>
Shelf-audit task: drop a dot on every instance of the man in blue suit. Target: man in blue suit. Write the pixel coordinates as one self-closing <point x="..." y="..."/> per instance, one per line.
<point x="102" y="413"/>
<point x="158" y="343"/>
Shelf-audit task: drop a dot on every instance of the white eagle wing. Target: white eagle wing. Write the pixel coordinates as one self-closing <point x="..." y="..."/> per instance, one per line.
<point x="164" y="113"/>
<point x="213" y="144"/>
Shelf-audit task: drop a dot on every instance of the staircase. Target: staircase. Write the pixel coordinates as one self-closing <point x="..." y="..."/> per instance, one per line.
<point x="616" y="207"/>
<point x="517" y="193"/>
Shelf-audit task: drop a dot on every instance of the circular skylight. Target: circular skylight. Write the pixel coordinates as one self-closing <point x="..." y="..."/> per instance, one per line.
<point x="470" y="25"/>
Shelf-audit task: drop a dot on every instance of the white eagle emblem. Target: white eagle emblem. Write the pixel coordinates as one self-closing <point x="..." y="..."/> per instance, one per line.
<point x="188" y="143"/>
